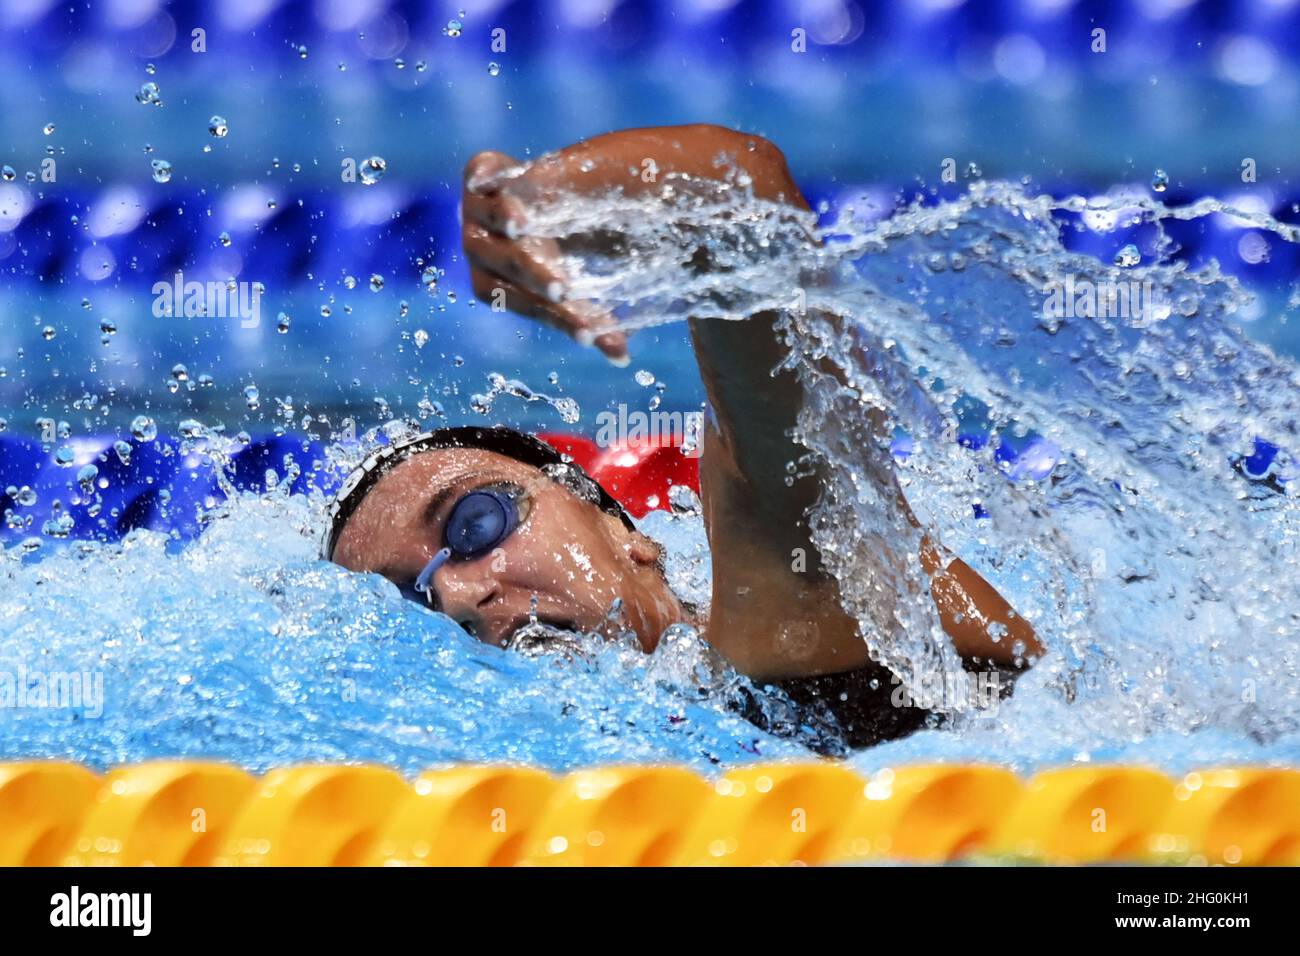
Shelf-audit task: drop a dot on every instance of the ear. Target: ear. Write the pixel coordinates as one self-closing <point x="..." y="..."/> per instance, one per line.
<point x="643" y="551"/>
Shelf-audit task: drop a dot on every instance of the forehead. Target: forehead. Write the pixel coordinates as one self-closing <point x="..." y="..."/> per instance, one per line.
<point x="398" y="501"/>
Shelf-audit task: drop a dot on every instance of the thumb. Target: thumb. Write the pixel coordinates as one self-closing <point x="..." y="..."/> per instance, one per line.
<point x="484" y="171"/>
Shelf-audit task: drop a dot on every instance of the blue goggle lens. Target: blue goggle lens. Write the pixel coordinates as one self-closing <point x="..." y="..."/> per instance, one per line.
<point x="479" y="522"/>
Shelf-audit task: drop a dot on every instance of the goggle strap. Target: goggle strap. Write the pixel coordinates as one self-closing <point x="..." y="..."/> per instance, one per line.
<point x="425" y="581"/>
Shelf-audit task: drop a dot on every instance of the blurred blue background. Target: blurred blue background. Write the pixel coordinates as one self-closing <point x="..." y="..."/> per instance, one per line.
<point x="881" y="94"/>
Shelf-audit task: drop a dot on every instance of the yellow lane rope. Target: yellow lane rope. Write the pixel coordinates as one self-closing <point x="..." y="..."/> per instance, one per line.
<point x="187" y="813"/>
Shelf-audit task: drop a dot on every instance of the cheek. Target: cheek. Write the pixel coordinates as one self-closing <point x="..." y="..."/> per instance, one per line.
<point x="579" y="562"/>
<point x="558" y="549"/>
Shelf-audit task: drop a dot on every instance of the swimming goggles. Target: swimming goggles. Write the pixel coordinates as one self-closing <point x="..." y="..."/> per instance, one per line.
<point x="479" y="522"/>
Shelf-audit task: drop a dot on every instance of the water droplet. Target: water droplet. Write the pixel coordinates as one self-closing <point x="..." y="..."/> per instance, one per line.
<point x="149" y="95"/>
<point x="49" y="129"/>
<point x="86" y="479"/>
<point x="282" y="322"/>
<point x="1128" y="256"/>
<point x="644" y="378"/>
<point x="123" y="450"/>
<point x="150" y="69"/>
<point x="143" y="428"/>
<point x="60" y="524"/>
<point x="430" y="277"/>
<point x="64" y="457"/>
<point x="421" y="337"/>
<point x="7" y="174"/>
<point x="454" y="28"/>
<point x="569" y="411"/>
<point x="224" y="239"/>
<point x="162" y="170"/>
<point x="494" y="69"/>
<point x="399" y="63"/>
<point x="302" y="52"/>
<point x="1160" y="180"/>
<point x="376" y="282"/>
<point x="217" y="127"/>
<point x="252" y="397"/>
<point x="350" y="282"/>
<point x="373" y="169"/>
<point x="48" y="332"/>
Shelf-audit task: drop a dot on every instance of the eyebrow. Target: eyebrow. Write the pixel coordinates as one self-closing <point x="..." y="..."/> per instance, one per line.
<point x="429" y="514"/>
<point x="441" y="497"/>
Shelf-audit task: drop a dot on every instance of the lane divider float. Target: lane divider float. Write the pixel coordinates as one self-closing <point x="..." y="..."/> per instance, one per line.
<point x="196" y="813"/>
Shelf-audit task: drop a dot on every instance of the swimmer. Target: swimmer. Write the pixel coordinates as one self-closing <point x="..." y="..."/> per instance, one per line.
<point x="494" y="529"/>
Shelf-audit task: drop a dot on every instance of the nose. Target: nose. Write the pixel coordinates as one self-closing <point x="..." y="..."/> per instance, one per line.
<point x="466" y="590"/>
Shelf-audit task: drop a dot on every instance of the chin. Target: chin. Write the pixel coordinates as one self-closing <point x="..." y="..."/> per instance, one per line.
<point x="648" y="644"/>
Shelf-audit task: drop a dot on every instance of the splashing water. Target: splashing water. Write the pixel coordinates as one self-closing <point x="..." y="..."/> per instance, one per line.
<point x="1102" y="471"/>
<point x="245" y="647"/>
<point x="1112" y="476"/>
<point x="482" y="402"/>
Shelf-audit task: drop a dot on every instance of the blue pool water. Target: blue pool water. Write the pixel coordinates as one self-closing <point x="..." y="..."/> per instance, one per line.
<point x="212" y="629"/>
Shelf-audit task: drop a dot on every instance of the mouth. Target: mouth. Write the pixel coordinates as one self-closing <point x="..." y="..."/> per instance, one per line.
<point x="540" y="634"/>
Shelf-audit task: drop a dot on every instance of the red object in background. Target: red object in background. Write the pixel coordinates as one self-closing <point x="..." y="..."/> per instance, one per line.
<point x="633" y="473"/>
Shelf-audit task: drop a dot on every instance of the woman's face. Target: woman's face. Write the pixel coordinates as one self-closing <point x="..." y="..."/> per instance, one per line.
<point x="570" y="557"/>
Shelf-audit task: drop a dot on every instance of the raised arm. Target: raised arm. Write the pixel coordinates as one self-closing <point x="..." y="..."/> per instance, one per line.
<point x="769" y="619"/>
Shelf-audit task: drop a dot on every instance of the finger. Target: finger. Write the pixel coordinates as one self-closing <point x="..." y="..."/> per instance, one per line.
<point x="581" y="320"/>
<point x="485" y="170"/>
<point x="531" y="262"/>
<point x="499" y="212"/>
<point x="501" y="293"/>
<point x="590" y="320"/>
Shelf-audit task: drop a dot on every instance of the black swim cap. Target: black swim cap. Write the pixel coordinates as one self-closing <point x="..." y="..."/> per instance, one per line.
<point x="502" y="441"/>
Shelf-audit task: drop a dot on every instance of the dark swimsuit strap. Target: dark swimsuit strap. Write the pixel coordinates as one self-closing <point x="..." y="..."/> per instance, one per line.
<point x="860" y="706"/>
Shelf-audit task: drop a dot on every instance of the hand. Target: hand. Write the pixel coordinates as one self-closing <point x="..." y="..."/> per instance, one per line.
<point x="527" y="272"/>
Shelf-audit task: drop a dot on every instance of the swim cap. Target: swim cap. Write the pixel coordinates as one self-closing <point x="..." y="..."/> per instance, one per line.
<point x="502" y="441"/>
